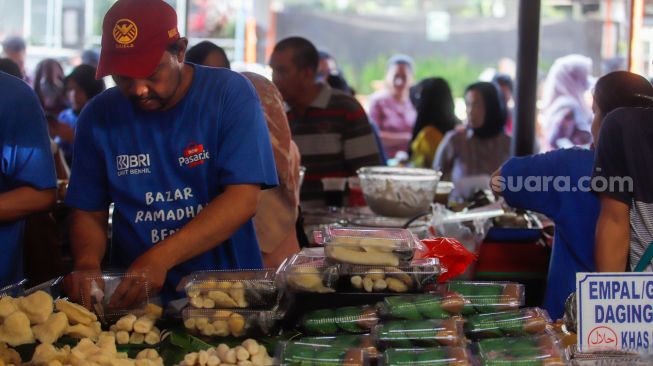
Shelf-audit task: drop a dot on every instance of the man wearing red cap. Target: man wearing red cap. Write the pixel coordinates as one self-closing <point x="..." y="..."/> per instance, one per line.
<point x="179" y="148"/>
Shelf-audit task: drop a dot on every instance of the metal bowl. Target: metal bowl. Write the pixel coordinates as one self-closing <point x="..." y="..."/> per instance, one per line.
<point x="397" y="191"/>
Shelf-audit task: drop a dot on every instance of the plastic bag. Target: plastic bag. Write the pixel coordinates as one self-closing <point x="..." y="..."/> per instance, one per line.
<point x="454" y="257"/>
<point x="469" y="227"/>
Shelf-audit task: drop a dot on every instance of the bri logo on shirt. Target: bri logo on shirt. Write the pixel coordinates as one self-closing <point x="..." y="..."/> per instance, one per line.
<point x="133" y="164"/>
<point x="194" y="155"/>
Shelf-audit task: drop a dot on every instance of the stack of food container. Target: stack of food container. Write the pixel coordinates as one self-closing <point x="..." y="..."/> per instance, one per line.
<point x="408" y="318"/>
<point x="233" y="303"/>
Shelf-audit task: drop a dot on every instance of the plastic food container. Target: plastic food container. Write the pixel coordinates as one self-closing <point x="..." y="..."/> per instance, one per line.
<point x="413" y="278"/>
<point x="440" y="356"/>
<point x="246" y="289"/>
<point x="486" y="297"/>
<point x="541" y="350"/>
<point x="398" y="191"/>
<point x="298" y="354"/>
<point x="104" y="286"/>
<point x="418" y="307"/>
<point x="419" y="333"/>
<point x="14" y="290"/>
<point x="230" y="323"/>
<point x="523" y="322"/>
<point x="364" y="341"/>
<point x="367" y="246"/>
<point x="307" y="273"/>
<point x="344" y="320"/>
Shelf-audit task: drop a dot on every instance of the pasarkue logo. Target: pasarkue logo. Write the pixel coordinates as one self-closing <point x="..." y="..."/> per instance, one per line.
<point x="194" y="155"/>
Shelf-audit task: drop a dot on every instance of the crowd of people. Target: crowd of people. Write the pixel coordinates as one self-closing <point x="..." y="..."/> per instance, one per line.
<point x="202" y="164"/>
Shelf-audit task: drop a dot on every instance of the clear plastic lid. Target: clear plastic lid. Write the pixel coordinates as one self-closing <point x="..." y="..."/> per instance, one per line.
<point x="418" y="307"/>
<point x="413" y="277"/>
<point x="245" y="289"/>
<point x="349" y="319"/>
<point x="14" y="289"/>
<point x="486" y="297"/>
<point x="367" y="246"/>
<point x="230" y="323"/>
<point x="519" y="350"/>
<point x="444" y="356"/>
<point x="309" y="273"/>
<point x="299" y="354"/>
<point x="513" y="323"/>
<point x="420" y="333"/>
<point x="364" y="341"/>
<point x="112" y="294"/>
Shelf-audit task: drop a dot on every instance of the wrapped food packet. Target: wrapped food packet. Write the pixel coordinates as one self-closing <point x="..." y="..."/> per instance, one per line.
<point x="298" y="354"/>
<point x="454" y="257"/>
<point x="349" y="319"/>
<point x="419" y="333"/>
<point x="440" y="356"/>
<point x="540" y="350"/>
<point x="521" y="322"/>
<point x="486" y="297"/>
<point x="418" y="307"/>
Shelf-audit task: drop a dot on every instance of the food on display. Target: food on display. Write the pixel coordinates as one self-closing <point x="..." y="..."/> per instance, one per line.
<point x="298" y="354"/>
<point x="363" y="341"/>
<point x="224" y="323"/>
<point x="542" y="350"/>
<point x="486" y="297"/>
<point x="441" y="356"/>
<point x="374" y="247"/>
<point x="253" y="289"/>
<point x="305" y="273"/>
<point x="133" y="329"/>
<point x="419" y="333"/>
<point x="249" y="353"/>
<point x="103" y="352"/>
<point x="350" y="319"/>
<point x="418" y="307"/>
<point x="414" y="277"/>
<point x="521" y="322"/>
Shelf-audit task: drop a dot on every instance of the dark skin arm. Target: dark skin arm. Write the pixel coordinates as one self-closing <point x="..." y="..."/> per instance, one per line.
<point x="612" y="236"/>
<point x="20" y="202"/>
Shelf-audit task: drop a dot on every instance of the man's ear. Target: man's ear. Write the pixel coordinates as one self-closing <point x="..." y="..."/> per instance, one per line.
<point x="183" y="46"/>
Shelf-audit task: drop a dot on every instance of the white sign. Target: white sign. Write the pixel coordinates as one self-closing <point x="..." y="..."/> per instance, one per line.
<point x="615" y="311"/>
<point x="438" y="24"/>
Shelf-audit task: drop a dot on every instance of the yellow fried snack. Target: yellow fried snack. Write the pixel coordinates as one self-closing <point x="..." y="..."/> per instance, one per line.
<point x="37" y="306"/>
<point x="52" y="329"/>
<point x="15" y="330"/>
<point x="7" y="306"/>
<point x="9" y="355"/>
<point x="77" y="314"/>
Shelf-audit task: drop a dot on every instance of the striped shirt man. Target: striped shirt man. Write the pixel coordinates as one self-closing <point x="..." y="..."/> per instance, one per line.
<point x="334" y="138"/>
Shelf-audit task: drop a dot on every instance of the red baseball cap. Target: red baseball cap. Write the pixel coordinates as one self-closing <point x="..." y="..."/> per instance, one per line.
<point x="135" y="33"/>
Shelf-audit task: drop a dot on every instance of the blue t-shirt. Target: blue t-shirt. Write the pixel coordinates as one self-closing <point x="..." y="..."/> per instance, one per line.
<point x="574" y="213"/>
<point x="26" y="161"/>
<point x="67" y="117"/>
<point x="161" y="168"/>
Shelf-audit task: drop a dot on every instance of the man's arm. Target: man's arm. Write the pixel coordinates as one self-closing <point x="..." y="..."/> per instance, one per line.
<point x="612" y="235"/>
<point x="20" y="202"/>
<point x="216" y="223"/>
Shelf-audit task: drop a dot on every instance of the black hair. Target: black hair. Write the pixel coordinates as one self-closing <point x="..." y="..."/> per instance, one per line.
<point x="400" y="59"/>
<point x="622" y="89"/>
<point x="495" y="109"/>
<point x="504" y="80"/>
<point x="13" y="44"/>
<point x="198" y="53"/>
<point x="84" y="76"/>
<point x="10" y="67"/>
<point x="305" y="54"/>
<point x="435" y="106"/>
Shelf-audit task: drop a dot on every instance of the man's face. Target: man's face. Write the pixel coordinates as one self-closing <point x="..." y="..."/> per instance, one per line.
<point x="19" y="58"/>
<point x="287" y="77"/>
<point x="154" y="92"/>
<point x="76" y="95"/>
<point x="400" y="76"/>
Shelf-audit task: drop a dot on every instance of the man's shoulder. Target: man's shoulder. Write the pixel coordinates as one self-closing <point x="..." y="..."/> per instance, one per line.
<point x="220" y="76"/>
<point x="14" y="90"/>
<point x="342" y="100"/>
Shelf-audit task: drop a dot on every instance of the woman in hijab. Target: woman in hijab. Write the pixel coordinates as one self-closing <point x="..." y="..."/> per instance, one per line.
<point x="49" y="86"/>
<point x="435" y="117"/>
<point x="478" y="149"/>
<point x="277" y="208"/>
<point x="567" y="116"/>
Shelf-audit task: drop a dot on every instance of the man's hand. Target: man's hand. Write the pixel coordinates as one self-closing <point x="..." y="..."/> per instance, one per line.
<point x="77" y="285"/>
<point x="150" y="269"/>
